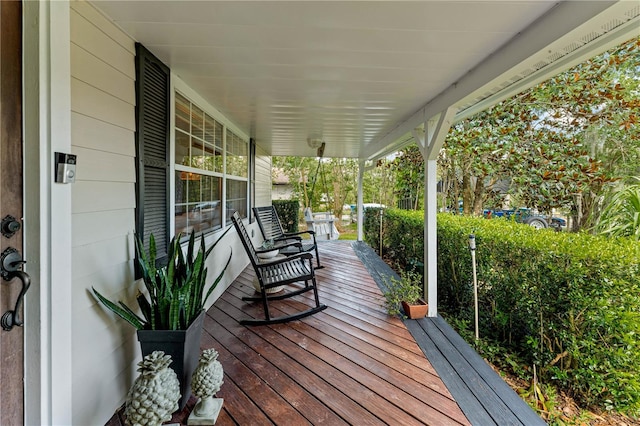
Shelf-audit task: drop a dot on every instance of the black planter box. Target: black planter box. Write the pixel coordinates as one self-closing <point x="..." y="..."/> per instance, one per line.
<point x="184" y="348"/>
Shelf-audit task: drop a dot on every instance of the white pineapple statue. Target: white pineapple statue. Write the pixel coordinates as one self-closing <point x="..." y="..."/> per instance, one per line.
<point x="155" y="393"/>
<point x="206" y="381"/>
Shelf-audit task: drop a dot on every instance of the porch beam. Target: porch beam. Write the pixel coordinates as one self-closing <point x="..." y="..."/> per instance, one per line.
<point x="505" y="63"/>
<point x="432" y="140"/>
<point x="436" y="132"/>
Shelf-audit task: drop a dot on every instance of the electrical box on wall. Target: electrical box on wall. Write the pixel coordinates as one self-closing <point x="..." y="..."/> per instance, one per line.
<point x="65" y="167"/>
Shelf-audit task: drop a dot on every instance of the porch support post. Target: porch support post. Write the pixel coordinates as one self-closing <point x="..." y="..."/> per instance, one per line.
<point x="359" y="201"/>
<point x="430" y="141"/>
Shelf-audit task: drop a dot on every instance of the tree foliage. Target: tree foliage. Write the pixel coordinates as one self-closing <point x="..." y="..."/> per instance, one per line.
<point x="408" y="170"/>
<point x="330" y="183"/>
<point x="559" y="145"/>
<point x="621" y="216"/>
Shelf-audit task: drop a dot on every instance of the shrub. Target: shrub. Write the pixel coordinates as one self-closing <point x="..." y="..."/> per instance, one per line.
<point x="288" y="211"/>
<point x="371" y="226"/>
<point x="568" y="303"/>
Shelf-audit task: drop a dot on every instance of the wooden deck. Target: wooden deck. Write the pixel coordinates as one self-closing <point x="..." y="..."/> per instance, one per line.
<point x="481" y="393"/>
<point x="351" y="363"/>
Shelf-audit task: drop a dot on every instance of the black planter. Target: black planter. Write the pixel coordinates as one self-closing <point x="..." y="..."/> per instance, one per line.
<point x="182" y="345"/>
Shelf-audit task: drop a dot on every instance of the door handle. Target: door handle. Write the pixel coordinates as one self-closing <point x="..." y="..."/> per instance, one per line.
<point x="11" y="318"/>
<point x="10" y="261"/>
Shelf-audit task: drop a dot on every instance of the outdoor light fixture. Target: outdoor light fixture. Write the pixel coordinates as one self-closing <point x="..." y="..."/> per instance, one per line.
<point x="314" y="143"/>
<point x="472" y="247"/>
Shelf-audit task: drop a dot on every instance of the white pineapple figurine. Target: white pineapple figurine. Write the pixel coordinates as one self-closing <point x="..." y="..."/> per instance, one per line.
<point x="206" y="381"/>
<point x="155" y="394"/>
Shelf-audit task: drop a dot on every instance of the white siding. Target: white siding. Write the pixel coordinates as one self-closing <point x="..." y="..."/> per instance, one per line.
<point x="263" y="177"/>
<point x="104" y="350"/>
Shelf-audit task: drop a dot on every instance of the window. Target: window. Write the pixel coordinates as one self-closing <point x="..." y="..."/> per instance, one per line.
<point x="200" y="170"/>
<point x="237" y="175"/>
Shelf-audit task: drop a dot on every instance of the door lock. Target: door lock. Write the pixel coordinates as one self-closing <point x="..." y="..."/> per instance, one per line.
<point x="9" y="226"/>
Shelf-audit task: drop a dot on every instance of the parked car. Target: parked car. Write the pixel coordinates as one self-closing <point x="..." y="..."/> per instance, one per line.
<point x="527" y="216"/>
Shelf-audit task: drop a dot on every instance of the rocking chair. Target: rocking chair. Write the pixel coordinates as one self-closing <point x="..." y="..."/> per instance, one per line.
<point x="271" y="228"/>
<point x="277" y="273"/>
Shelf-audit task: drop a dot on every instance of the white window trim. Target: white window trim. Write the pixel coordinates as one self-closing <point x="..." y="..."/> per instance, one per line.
<point x="180" y="86"/>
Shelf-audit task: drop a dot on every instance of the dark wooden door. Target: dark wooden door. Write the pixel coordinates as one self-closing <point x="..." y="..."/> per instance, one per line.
<point x="11" y="184"/>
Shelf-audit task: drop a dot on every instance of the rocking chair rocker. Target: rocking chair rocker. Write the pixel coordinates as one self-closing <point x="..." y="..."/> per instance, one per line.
<point x="286" y="271"/>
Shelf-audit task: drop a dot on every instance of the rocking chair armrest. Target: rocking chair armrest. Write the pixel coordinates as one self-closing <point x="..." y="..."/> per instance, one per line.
<point x="310" y="232"/>
<point x="308" y="256"/>
<point x="265" y="250"/>
<point x="296" y="244"/>
<point x="279" y="247"/>
<point x="287" y="237"/>
<point x="293" y="234"/>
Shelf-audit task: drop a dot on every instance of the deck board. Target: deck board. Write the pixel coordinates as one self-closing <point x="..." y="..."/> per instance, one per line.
<point x="349" y="364"/>
<point x="480" y="392"/>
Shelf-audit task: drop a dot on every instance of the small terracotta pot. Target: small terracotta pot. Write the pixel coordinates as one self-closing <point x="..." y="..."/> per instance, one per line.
<point x="418" y="310"/>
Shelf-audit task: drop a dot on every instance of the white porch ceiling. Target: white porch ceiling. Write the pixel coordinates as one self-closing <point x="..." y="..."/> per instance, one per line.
<point x="361" y="75"/>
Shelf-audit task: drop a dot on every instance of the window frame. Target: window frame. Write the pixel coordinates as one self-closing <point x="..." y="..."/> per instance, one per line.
<point x="178" y="86"/>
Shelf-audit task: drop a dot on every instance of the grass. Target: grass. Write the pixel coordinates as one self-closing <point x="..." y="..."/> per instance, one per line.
<point x="349" y="232"/>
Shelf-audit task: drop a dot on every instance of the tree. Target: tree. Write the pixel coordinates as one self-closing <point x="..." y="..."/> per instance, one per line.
<point x="322" y="184"/>
<point x="561" y="143"/>
<point x="378" y="183"/>
<point x="408" y="168"/>
<point x="344" y="177"/>
<point x="478" y="148"/>
<point x="300" y="171"/>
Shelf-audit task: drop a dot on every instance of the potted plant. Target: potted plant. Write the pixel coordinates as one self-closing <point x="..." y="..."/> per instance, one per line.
<point x="405" y="291"/>
<point x="267" y="249"/>
<point x="172" y="309"/>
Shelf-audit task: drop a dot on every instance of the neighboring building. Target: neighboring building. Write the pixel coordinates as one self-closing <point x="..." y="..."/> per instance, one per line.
<point x="281" y="188"/>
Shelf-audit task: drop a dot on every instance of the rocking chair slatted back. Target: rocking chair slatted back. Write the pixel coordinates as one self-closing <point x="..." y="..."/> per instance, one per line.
<point x="269" y="222"/>
<point x="271" y="228"/>
<point x="245" y="239"/>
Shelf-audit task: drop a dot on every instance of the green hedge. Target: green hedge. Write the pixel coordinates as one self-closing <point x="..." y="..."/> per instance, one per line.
<point x="402" y="235"/>
<point x="567" y="303"/>
<point x="288" y="213"/>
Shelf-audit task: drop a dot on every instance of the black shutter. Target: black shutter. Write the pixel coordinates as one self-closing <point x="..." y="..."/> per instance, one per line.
<point x="152" y="150"/>
<point x="252" y="179"/>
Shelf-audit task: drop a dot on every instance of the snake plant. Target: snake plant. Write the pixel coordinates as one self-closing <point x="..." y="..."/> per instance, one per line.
<point x="175" y="293"/>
